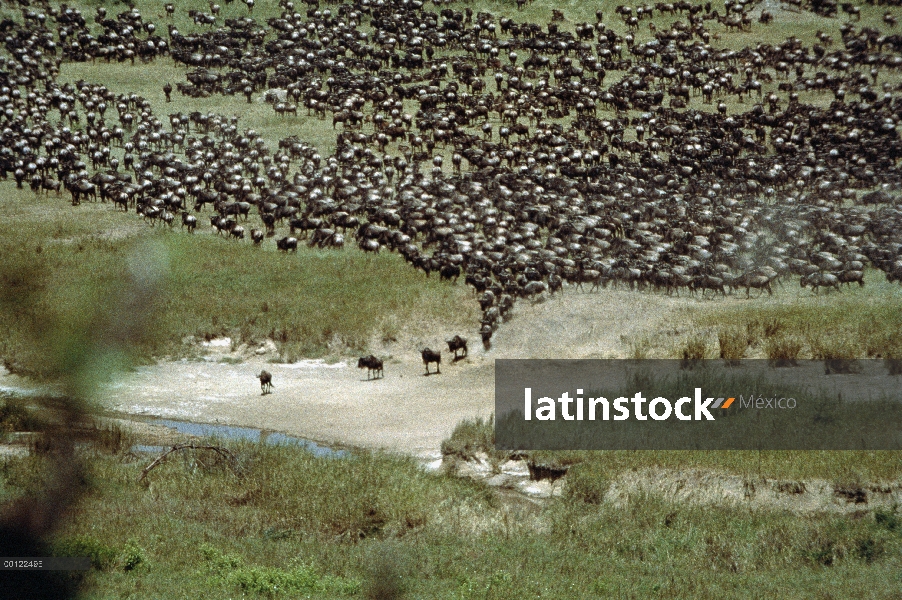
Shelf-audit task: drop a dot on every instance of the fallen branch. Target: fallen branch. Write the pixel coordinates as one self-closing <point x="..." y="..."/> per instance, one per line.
<point x="225" y="453"/>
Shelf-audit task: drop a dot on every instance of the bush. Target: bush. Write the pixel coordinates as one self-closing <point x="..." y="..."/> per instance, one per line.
<point x="869" y="550"/>
<point x="783" y="350"/>
<point x="470" y="437"/>
<point x="733" y="343"/>
<point x="132" y="556"/>
<point x="834" y="347"/>
<point x="695" y="348"/>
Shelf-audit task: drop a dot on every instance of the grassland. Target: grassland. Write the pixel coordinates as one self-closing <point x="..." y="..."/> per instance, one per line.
<point x="375" y="526"/>
<point x="858" y="322"/>
<point x="66" y="270"/>
<point x="252" y="295"/>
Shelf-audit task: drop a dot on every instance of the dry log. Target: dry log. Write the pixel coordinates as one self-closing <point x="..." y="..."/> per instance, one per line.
<point x="224" y="452"/>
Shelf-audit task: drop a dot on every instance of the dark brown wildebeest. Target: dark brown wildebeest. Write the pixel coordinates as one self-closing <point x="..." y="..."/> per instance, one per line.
<point x="373" y="366"/>
<point x="265" y="382"/>
<point x="486" y="333"/>
<point x="287" y="243"/>
<point x="457" y="343"/>
<point x="189" y="221"/>
<point x="449" y="272"/>
<point x="430" y="356"/>
<point x="819" y="279"/>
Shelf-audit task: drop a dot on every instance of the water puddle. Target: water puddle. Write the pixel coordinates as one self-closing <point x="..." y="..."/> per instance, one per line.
<point x="249" y="434"/>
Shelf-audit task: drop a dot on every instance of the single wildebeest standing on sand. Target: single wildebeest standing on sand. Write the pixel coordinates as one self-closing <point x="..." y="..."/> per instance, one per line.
<point x="373" y="366"/>
<point x="430" y="356"/>
<point x="265" y="382"/>
<point x="457" y="343"/>
<point x="486" y="333"/>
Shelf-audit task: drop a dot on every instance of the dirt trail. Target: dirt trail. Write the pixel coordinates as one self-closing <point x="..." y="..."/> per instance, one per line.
<point x="405" y="411"/>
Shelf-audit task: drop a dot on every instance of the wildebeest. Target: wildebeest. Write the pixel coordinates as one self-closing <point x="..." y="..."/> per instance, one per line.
<point x="430" y="356"/>
<point x="752" y="280"/>
<point x="851" y="277"/>
<point x="486" y="332"/>
<point x="373" y="366"/>
<point x="457" y="343"/>
<point x="450" y="272"/>
<point x="533" y="289"/>
<point x="369" y="246"/>
<point x="816" y="280"/>
<point x="265" y="381"/>
<point x="487" y="300"/>
<point x="287" y="243"/>
<point x="189" y="221"/>
<point x="237" y="232"/>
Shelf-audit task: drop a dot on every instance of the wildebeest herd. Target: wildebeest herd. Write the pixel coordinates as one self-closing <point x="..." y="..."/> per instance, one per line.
<point x="622" y="151"/>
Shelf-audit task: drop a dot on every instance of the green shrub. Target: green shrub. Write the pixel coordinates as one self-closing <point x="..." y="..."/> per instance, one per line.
<point x="132" y="556"/>
<point x="272" y="581"/>
<point x="869" y="550"/>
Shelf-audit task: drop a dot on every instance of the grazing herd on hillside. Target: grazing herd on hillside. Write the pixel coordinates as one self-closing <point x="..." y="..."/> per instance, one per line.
<point x="641" y="149"/>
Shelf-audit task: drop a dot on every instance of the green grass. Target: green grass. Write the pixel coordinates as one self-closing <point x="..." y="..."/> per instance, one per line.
<point x="83" y="272"/>
<point x="836" y="466"/>
<point x="375" y="524"/>
<point x="855" y="323"/>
